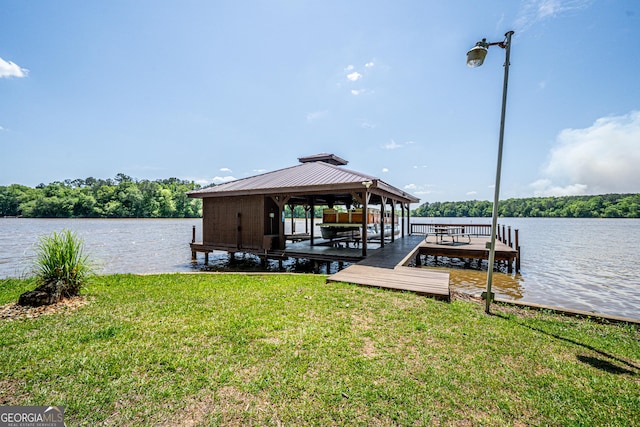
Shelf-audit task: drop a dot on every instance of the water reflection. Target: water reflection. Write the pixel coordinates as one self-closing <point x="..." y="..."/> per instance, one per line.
<point x="240" y="262"/>
<point x="474" y="282"/>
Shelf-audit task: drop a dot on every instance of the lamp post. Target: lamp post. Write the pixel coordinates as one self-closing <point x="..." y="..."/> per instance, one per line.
<point x="475" y="58"/>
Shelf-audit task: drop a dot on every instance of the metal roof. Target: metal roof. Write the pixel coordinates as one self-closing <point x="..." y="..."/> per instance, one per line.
<point x="313" y="177"/>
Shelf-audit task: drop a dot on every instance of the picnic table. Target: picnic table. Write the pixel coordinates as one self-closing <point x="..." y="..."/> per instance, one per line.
<point x="447" y="234"/>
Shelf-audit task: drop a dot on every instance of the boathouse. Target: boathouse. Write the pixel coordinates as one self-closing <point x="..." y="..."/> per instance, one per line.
<point x="247" y="215"/>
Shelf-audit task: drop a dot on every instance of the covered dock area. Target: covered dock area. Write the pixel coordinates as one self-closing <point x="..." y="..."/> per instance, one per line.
<point x="248" y="215"/>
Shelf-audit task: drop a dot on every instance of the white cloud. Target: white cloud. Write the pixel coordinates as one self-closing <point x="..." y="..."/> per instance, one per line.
<point x="11" y="69"/>
<point x="355" y="76"/>
<point x="316" y="115"/>
<point x="201" y="181"/>
<point x="471" y="193"/>
<point x="385" y="170"/>
<point x="369" y="64"/>
<point x="544" y="187"/>
<point x="222" y="179"/>
<point x="534" y="11"/>
<point x="419" y="190"/>
<point x="358" y="91"/>
<point x="225" y="170"/>
<point x="259" y="170"/>
<point x="349" y="68"/>
<point x="391" y="145"/>
<point x="365" y="124"/>
<point x="600" y="159"/>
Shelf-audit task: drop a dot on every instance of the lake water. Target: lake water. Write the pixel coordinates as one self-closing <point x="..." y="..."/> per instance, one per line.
<point x="584" y="264"/>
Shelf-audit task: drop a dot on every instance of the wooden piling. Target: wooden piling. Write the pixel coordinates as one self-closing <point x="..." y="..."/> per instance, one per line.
<point x="517" y="249"/>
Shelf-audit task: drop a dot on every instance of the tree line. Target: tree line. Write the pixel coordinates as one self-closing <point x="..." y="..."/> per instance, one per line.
<point x="122" y="197"/>
<point x="601" y="206"/>
<point x="125" y="197"/>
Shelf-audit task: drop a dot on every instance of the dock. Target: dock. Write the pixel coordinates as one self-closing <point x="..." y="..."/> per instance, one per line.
<point x="418" y="280"/>
<point x="393" y="265"/>
<point x="474" y="248"/>
<point x="385" y="268"/>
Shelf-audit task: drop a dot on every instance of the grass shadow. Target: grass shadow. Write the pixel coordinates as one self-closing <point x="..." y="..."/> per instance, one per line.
<point x="602" y="364"/>
<point x="605" y="365"/>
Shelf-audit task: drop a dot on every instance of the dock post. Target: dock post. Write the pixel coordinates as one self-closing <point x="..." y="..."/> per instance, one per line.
<point x="194" y="254"/>
<point x="510" y="242"/>
<point x="206" y="258"/>
<point x="518" y="253"/>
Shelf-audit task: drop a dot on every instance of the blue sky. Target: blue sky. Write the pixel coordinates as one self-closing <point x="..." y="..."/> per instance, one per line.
<point x="216" y="90"/>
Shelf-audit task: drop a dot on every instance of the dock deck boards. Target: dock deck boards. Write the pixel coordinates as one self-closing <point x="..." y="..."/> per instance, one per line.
<point x="384" y="269"/>
<point x="393" y="253"/>
<point x="418" y="280"/>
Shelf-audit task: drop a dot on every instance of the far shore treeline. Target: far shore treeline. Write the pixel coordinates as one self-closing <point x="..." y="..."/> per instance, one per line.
<point x="122" y="197"/>
<point x="601" y="206"/>
<point x="126" y="197"/>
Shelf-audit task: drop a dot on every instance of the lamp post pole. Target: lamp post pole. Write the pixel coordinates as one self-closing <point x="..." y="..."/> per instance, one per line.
<point x="474" y="62"/>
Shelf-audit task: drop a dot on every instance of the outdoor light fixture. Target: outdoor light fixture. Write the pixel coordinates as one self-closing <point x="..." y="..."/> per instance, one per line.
<point x="475" y="58"/>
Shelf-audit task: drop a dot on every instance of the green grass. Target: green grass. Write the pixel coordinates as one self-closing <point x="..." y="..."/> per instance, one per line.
<point x="233" y="349"/>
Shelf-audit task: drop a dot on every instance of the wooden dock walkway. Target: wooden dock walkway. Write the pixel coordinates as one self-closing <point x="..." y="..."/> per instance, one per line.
<point x="419" y="280"/>
<point x="393" y="253"/>
<point x="384" y="269"/>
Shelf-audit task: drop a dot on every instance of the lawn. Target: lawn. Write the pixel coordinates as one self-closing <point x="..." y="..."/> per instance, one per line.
<point x="233" y="349"/>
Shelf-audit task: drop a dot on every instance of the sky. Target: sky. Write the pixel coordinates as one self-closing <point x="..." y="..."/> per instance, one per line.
<point x="212" y="91"/>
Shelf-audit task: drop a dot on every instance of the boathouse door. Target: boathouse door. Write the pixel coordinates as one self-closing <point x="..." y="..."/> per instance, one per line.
<point x="273" y="227"/>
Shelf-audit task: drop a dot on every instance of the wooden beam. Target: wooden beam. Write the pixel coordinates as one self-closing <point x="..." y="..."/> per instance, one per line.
<point x="358" y="197"/>
<point x="280" y="200"/>
<point x="383" y="202"/>
<point x="364" y="223"/>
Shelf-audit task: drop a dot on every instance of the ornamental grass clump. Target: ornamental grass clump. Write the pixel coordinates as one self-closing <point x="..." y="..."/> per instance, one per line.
<point x="61" y="268"/>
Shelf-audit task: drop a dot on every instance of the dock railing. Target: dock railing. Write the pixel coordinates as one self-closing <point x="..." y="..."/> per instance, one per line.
<point x="477" y="230"/>
<point x="470" y="229"/>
